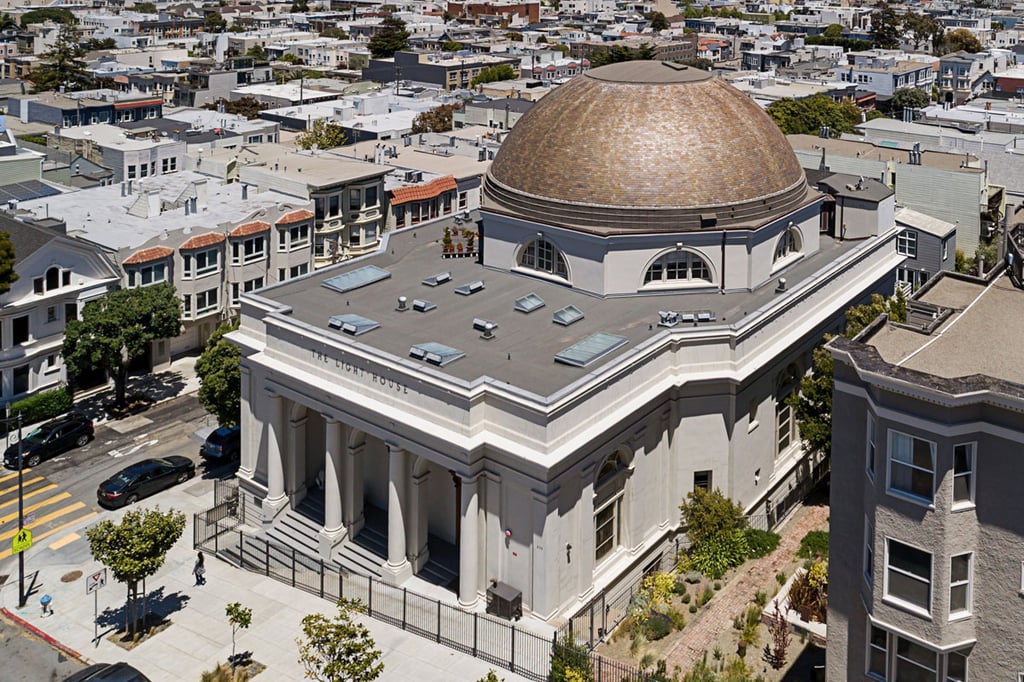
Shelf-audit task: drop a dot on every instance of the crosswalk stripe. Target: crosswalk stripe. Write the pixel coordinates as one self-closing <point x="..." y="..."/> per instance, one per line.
<point x="32" y="493"/>
<point x="7" y="552"/>
<point x="24" y="483"/>
<point x="66" y="540"/>
<point x="7" y="535"/>
<point x="8" y="477"/>
<point x="7" y="518"/>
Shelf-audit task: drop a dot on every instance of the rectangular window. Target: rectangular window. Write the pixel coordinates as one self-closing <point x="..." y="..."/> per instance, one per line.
<point x="298" y="236"/>
<point x="333" y="205"/>
<point x="70" y="312"/>
<point x="606" y="529"/>
<point x="463" y="200"/>
<point x="298" y="270"/>
<point x="144" y="170"/>
<point x="51" y="313"/>
<point x="878" y="653"/>
<point x="51" y="362"/>
<point x="906" y="243"/>
<point x="908" y="575"/>
<point x="187" y="304"/>
<point x="248" y="250"/>
<point x="869" y="551"/>
<point x="131" y="172"/>
<point x="354" y="200"/>
<point x="702" y="479"/>
<point x="234" y="293"/>
<point x="253" y="284"/>
<point x="370" y="197"/>
<point x="956" y="667"/>
<point x="21" y="375"/>
<point x="37" y="285"/>
<point x="911" y="467"/>
<point x="207" y="262"/>
<point x="206" y="301"/>
<point x="960" y="585"/>
<point x="945" y="249"/>
<point x="399" y="216"/>
<point x="785" y="425"/>
<point x="20" y="330"/>
<point x="65" y="278"/>
<point x="871" y="446"/>
<point x="913" y="661"/>
<point x="963" y="474"/>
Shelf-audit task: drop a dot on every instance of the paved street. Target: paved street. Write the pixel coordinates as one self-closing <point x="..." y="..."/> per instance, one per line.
<point x="28" y="658"/>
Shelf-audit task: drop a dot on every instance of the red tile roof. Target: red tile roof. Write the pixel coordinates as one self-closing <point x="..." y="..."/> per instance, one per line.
<point x="246" y="229"/>
<point x="201" y="241"/>
<point x="295" y="217"/>
<point x="147" y="255"/>
<point x="427" y="190"/>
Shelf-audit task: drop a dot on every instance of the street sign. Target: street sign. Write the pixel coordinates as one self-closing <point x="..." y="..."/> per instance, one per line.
<point x="96" y="581"/>
<point x="21" y="541"/>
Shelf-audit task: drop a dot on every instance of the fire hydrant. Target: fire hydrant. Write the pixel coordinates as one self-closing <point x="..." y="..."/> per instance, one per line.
<point x="44" y="601"/>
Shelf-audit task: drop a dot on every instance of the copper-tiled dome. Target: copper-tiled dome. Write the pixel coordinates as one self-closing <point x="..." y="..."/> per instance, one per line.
<point x="646" y="146"/>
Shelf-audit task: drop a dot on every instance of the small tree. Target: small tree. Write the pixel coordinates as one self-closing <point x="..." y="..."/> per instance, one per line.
<point x="135" y="549"/>
<point x="240" y="618"/>
<point x="220" y="377"/>
<point x="338" y="649"/>
<point x="570" y="662"/>
<point x="658" y="21"/>
<point x="437" y="120"/>
<point x="775" y="652"/>
<point x="117" y="328"/>
<point x="63" y="65"/>
<point x="7" y="274"/>
<point x="391" y="38"/>
<point x="323" y="133"/>
<point x="256" y="52"/>
<point x="707" y="515"/>
<point x="908" y="98"/>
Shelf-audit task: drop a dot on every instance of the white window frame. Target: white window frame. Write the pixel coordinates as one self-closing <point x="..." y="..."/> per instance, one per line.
<point x="906" y="243"/>
<point x="541" y="255"/>
<point x="872" y="646"/>
<point x="604" y="550"/>
<point x="967" y="584"/>
<point x="204" y="304"/>
<point x="896" y="599"/>
<point x="869" y="552"/>
<point x="872" y="450"/>
<point x="970" y="474"/>
<point x="298" y="270"/>
<point x="293" y="237"/>
<point x="679" y="268"/>
<point x="899" y="492"/>
<point x="240" y="253"/>
<point x="137" y="274"/>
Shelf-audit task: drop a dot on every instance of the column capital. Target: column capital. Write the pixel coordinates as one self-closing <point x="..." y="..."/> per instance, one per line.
<point x="394" y="448"/>
<point x="330" y="418"/>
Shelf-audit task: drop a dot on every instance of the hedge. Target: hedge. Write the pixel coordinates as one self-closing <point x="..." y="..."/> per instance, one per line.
<point x="41" y="407"/>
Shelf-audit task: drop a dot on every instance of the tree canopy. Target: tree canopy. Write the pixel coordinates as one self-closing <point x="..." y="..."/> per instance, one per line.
<point x="710" y="514"/>
<point x="214" y="22"/>
<point x="7" y="274"/>
<point x="908" y="98"/>
<point x="118" y="328"/>
<point x="437" y="120"/>
<point x="338" y="649"/>
<point x="323" y="133"/>
<point x="220" y="377"/>
<point x="886" y="27"/>
<point x="923" y="28"/>
<point x="491" y="74"/>
<point x="55" y="14"/>
<point x="961" y="39"/>
<point x="135" y="548"/>
<point x="247" y="106"/>
<point x="391" y="38"/>
<point x="620" y="53"/>
<point x="807" y="116"/>
<point x="256" y="52"/>
<point x="833" y="31"/>
<point x="658" y="21"/>
<point x="145" y="7"/>
<point x="62" y="65"/>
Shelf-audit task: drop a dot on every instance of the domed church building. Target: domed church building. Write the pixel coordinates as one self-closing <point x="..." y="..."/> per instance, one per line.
<point x="528" y="404"/>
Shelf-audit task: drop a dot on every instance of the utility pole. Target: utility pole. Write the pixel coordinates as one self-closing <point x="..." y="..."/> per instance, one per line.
<point x="22" y="597"/>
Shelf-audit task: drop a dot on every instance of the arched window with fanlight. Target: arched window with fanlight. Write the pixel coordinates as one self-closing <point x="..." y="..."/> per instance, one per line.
<point x="543" y="256"/>
<point x="609" y="488"/>
<point x="789" y="246"/>
<point x="678" y="268"/>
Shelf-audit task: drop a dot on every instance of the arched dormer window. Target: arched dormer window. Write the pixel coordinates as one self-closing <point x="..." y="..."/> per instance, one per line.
<point x="542" y="255"/>
<point x="789" y="246"/>
<point x="679" y="267"/>
<point x="52" y="278"/>
<point x="609" y="488"/>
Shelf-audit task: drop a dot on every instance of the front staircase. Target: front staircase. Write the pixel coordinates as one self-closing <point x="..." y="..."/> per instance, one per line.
<point x="367" y="552"/>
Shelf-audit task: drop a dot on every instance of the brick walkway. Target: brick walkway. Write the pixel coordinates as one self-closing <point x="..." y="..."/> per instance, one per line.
<point x="705" y="631"/>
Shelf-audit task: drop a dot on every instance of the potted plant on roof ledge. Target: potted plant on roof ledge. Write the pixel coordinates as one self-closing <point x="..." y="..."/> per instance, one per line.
<point x="447" y="246"/>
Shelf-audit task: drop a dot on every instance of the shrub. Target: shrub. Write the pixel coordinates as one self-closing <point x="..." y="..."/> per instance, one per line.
<point x="570" y="661"/>
<point x="707" y="515"/>
<point x="677" y="618"/>
<point x="814" y="545"/>
<point x="761" y="598"/>
<point x="808" y="594"/>
<point x="658" y="626"/>
<point x="781" y="577"/>
<point x="760" y="542"/>
<point x="693" y="577"/>
<point x="679" y="587"/>
<point x="752" y="616"/>
<point x="42" y="406"/>
<point x="693" y="608"/>
<point x="686" y="597"/>
<point x="718" y="586"/>
<point x="717" y="555"/>
<point x="705" y="596"/>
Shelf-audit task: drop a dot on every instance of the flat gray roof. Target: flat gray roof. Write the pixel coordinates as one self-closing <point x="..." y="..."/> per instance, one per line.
<point x="982" y="336"/>
<point x="524" y="346"/>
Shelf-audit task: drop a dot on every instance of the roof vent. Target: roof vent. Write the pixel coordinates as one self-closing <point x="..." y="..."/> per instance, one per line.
<point x="667" y="318"/>
<point x="488" y="331"/>
<point x="439" y="278"/>
<point x="482" y="325"/>
<point x="529" y="303"/>
<point x="471" y="288"/>
<point x="781" y="285"/>
<point x="422" y="306"/>
<point x="402" y="304"/>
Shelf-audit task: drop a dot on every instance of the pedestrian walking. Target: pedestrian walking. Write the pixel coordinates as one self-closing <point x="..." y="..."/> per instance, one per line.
<point x="200" y="570"/>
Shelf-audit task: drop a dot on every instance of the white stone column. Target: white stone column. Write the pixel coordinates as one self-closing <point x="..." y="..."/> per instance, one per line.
<point x="352" y="494"/>
<point x="333" y="531"/>
<point x="416" y="522"/>
<point x="276" y="500"/>
<point x="469" y="543"/>
<point x="397" y="569"/>
<point x="295" y="464"/>
<point x="248" y="444"/>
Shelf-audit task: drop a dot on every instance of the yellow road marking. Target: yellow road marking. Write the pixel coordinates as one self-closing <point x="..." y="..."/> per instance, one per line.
<point x="66" y="540"/>
<point x="14" y="487"/>
<point x="35" y="492"/>
<point x="7" y="518"/>
<point x="12" y="475"/>
<point x="7" y="552"/>
<point x="7" y="535"/>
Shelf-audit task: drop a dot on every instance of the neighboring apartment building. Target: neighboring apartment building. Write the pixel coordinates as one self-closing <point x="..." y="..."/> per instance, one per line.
<point x="963" y="76"/>
<point x="450" y="71"/>
<point x="884" y="73"/>
<point x="57" y="276"/>
<point x="129" y="154"/>
<point x="84" y="108"/>
<point x="926" y="567"/>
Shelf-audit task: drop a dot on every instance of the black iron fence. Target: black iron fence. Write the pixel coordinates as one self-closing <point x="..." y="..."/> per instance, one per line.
<point x="496" y="641"/>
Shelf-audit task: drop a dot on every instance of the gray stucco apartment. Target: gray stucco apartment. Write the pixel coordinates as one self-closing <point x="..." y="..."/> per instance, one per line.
<point x="927" y="564"/>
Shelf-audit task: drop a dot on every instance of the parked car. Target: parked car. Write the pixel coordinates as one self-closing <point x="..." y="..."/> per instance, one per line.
<point x="108" y="672"/>
<point x="73" y="430"/>
<point x="223" y="445"/>
<point x="143" y="479"/>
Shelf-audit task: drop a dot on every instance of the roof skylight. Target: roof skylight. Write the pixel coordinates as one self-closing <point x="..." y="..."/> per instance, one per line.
<point x="529" y="303"/>
<point x="439" y="278"/>
<point x="435" y="353"/>
<point x="471" y="288"/>
<point x="354" y="279"/>
<point x="592" y="348"/>
<point x="352" y="324"/>
<point x="567" y="315"/>
<point x="421" y="306"/>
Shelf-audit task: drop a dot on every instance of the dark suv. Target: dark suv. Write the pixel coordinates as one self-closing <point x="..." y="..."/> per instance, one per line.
<point x="49" y="440"/>
<point x="223" y="445"/>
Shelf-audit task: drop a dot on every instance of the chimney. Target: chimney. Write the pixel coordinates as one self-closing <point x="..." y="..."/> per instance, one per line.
<point x="245" y="191"/>
<point x="123" y="193"/>
<point x="129" y="188"/>
<point x="187" y="208"/>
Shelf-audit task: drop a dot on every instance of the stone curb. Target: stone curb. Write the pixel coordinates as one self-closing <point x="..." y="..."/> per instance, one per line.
<point x="42" y="635"/>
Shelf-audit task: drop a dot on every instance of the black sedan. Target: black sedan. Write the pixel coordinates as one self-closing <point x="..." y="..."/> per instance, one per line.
<point x="51" y="439"/>
<point x="143" y="479"/>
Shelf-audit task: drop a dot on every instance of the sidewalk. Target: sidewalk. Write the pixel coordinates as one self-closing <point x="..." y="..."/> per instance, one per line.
<point x="199" y="635"/>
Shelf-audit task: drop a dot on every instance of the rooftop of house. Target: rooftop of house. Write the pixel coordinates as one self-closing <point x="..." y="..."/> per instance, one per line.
<point x="867" y="150"/>
<point x="315" y="169"/>
<point x="880" y="126"/>
<point x="101" y="214"/>
<point x="980" y="336"/>
<point x="925" y="223"/>
<point x="524" y="344"/>
<point x="432" y="156"/>
<point x="106" y="135"/>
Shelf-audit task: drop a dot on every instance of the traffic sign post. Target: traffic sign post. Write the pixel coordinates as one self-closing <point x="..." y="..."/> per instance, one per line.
<point x="93" y="584"/>
<point x="21" y="541"/>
